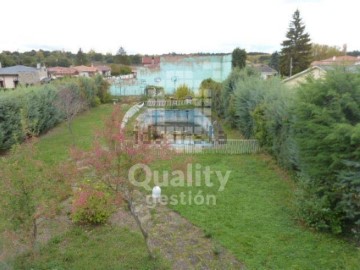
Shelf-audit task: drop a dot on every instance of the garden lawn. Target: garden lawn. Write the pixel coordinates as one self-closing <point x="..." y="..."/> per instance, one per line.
<point x="100" y="247"/>
<point x="54" y="146"/>
<point x="97" y="248"/>
<point x="254" y="216"/>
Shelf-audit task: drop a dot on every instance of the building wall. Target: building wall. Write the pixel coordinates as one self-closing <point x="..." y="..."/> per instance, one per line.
<point x="84" y="74"/>
<point x="29" y="78"/>
<point x="8" y="81"/>
<point x="191" y="70"/>
<point x="43" y="73"/>
<point x="267" y="75"/>
<point x="315" y="73"/>
<point x="105" y="73"/>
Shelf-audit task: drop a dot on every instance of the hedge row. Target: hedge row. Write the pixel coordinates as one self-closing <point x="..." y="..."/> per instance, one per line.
<point x="32" y="111"/>
<point x="313" y="130"/>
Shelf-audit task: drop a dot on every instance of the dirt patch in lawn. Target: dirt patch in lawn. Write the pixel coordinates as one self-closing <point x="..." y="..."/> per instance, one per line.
<point x="175" y="238"/>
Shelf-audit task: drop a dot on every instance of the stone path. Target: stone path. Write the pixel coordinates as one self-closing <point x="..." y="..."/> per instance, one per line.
<point x="179" y="241"/>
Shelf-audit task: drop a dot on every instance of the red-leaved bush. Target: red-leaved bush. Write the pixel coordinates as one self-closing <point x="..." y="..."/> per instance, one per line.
<point x="91" y="206"/>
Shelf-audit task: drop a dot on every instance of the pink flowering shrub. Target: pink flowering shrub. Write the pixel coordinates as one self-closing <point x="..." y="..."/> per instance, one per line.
<point x="91" y="206"/>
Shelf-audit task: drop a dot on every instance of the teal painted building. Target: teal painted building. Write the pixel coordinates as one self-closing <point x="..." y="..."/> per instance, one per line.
<point x="172" y="71"/>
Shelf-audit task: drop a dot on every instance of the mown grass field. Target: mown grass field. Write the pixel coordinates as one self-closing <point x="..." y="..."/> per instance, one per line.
<point x="254" y="216"/>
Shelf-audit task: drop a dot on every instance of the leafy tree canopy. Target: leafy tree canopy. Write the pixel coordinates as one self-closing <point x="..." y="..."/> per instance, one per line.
<point x="183" y="91"/>
<point x="238" y="58"/>
<point x="321" y="52"/>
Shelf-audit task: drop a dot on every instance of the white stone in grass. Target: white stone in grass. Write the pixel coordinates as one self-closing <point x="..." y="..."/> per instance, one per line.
<point x="156" y="192"/>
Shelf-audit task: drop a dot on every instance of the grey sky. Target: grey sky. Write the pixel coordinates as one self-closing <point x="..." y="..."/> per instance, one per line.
<point x="162" y="26"/>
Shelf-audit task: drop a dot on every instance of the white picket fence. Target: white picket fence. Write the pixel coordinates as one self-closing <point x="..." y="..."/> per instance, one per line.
<point x="230" y="147"/>
<point x="130" y="113"/>
<point x="173" y="103"/>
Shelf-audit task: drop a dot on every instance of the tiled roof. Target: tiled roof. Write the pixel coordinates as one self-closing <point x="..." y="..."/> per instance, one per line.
<point x="85" y="69"/>
<point x="62" y="71"/>
<point x="14" y="70"/>
<point x="103" y="68"/>
<point x="150" y="60"/>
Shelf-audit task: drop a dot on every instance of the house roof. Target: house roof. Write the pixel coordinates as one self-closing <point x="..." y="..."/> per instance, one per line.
<point x="103" y="68"/>
<point x="62" y="71"/>
<point x="302" y="73"/>
<point x="14" y="70"/>
<point x="336" y="60"/>
<point x="150" y="60"/>
<point x="85" y="69"/>
<point x="346" y="68"/>
<point x="265" y="69"/>
<point x="351" y="69"/>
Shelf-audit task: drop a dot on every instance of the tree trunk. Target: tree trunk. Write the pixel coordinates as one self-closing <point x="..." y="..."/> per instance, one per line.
<point x="71" y="131"/>
<point x="138" y="222"/>
<point x="33" y="236"/>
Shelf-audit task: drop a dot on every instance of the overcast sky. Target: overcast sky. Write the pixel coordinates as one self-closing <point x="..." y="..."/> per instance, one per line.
<point x="163" y="26"/>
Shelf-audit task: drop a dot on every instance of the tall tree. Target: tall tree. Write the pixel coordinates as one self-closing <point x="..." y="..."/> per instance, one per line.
<point x="296" y="49"/>
<point x="69" y="103"/>
<point x="238" y="58"/>
<point x="121" y="51"/>
<point x="121" y="57"/>
<point x="274" y="60"/>
<point x="81" y="58"/>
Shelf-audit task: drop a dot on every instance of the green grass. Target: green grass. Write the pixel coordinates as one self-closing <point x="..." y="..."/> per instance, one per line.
<point x="85" y="248"/>
<point x="254" y="217"/>
<point x="96" y="248"/>
<point x="54" y="146"/>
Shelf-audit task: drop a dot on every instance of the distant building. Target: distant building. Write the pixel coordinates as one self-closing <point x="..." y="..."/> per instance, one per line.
<point x="150" y="61"/>
<point x="301" y="77"/>
<point x="10" y="77"/>
<point x="170" y="71"/>
<point x="104" y="70"/>
<point x="265" y="71"/>
<point x="85" y="71"/>
<point x="346" y="60"/>
<point x="319" y="69"/>
<point x="60" y="72"/>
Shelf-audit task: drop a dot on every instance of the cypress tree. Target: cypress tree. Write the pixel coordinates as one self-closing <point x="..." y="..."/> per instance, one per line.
<point x="296" y="49"/>
<point x="274" y="61"/>
<point x="81" y="58"/>
<point x="238" y="58"/>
